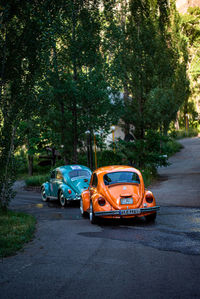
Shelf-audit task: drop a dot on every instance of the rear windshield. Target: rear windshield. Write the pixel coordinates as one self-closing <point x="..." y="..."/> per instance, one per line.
<point x="121" y="177"/>
<point x="77" y="174"/>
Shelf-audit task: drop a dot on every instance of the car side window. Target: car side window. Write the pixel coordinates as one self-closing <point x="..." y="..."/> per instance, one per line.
<point x="59" y="175"/>
<point x="94" y="180"/>
<point x="53" y="174"/>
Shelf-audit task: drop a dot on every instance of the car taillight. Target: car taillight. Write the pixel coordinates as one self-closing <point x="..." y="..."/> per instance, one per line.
<point x="101" y="201"/>
<point x="69" y="191"/>
<point x="149" y="198"/>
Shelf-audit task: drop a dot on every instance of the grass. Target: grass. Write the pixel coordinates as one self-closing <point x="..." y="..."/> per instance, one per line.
<point x="36" y="180"/>
<point x="192" y="132"/>
<point x="16" y="229"/>
<point x="172" y="147"/>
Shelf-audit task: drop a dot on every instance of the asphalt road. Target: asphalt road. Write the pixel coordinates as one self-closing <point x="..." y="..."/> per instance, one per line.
<point x="70" y="258"/>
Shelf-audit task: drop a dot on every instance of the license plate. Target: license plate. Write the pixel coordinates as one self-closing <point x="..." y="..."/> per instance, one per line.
<point x="127" y="201"/>
<point x="130" y="212"/>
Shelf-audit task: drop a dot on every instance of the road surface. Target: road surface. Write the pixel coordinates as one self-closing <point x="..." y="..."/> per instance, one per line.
<point x="70" y="258"/>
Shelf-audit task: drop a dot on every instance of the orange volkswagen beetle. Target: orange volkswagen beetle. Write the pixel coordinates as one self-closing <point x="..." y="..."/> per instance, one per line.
<point x="117" y="192"/>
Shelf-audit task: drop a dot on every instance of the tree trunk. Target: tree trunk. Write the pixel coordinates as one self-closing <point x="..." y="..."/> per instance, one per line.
<point x="30" y="165"/>
<point x="91" y="151"/>
<point x="88" y="151"/>
<point x="177" y="127"/>
<point x="74" y="108"/>
<point x="3" y="66"/>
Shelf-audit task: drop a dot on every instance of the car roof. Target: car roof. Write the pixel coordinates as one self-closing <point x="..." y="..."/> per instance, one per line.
<point x="68" y="168"/>
<point x="115" y="168"/>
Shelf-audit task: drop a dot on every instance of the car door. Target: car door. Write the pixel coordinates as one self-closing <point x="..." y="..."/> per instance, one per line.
<point x="52" y="182"/>
<point x="57" y="182"/>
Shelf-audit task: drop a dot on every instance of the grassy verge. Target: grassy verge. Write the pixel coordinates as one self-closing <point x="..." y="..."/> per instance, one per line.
<point x="192" y="132"/>
<point x="36" y="180"/>
<point x="172" y="147"/>
<point x="15" y="230"/>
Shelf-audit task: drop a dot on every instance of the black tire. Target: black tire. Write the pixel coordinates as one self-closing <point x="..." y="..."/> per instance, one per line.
<point x="43" y="194"/>
<point x="83" y="214"/>
<point x="151" y="217"/>
<point x="93" y="218"/>
<point x="62" y="199"/>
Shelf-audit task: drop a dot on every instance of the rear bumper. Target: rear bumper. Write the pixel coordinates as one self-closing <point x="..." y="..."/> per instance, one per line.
<point x="78" y="197"/>
<point x="128" y="212"/>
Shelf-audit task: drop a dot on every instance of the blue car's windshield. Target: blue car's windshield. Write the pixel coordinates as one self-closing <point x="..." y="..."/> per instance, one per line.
<point x="77" y="174"/>
<point x="121" y="177"/>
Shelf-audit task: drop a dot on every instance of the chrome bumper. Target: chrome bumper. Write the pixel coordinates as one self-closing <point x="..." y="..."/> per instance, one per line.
<point x="74" y="198"/>
<point x="127" y="212"/>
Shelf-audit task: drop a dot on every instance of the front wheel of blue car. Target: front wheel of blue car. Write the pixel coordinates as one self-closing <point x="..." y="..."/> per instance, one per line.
<point x="44" y="195"/>
<point x="62" y="199"/>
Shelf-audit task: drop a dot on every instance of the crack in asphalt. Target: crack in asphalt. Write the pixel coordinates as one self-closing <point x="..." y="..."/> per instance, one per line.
<point x="162" y="239"/>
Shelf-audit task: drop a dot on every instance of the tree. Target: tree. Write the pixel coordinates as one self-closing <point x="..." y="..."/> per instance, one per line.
<point x="190" y="28"/>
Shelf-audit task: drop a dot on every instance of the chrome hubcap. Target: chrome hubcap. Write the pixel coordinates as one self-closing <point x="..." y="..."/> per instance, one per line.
<point x="62" y="200"/>
<point x="90" y="211"/>
<point x="43" y="194"/>
<point x="81" y="206"/>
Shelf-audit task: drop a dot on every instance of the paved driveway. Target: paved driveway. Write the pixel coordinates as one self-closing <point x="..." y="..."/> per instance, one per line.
<point x="70" y="258"/>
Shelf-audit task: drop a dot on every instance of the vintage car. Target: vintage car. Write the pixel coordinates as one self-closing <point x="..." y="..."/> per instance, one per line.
<point x="117" y="192"/>
<point x="66" y="183"/>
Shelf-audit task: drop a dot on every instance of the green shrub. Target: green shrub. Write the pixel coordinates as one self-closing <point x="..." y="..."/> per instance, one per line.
<point x="109" y="157"/>
<point x="36" y="180"/>
<point x="192" y="132"/>
<point x="147" y="153"/>
<point x="148" y="176"/>
<point x="171" y="147"/>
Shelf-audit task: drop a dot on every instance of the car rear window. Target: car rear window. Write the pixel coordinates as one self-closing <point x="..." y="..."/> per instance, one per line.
<point x="121" y="177"/>
<point x="77" y="174"/>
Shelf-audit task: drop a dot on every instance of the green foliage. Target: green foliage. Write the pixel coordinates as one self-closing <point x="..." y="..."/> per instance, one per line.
<point x="148" y="176"/>
<point x="192" y="132"/>
<point x="147" y="153"/>
<point x="171" y="147"/>
<point x="72" y="61"/>
<point x="108" y="157"/>
<point x="190" y="28"/>
<point x="149" y="57"/>
<point x="15" y="230"/>
<point x="36" y="180"/>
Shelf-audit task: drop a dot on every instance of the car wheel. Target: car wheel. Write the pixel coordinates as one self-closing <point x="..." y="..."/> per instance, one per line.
<point x="93" y="218"/>
<point x="43" y="194"/>
<point x="151" y="217"/>
<point x="83" y="214"/>
<point x="62" y="199"/>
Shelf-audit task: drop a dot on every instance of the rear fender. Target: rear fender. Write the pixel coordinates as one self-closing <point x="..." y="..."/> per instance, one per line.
<point x="85" y="200"/>
<point x="144" y="199"/>
<point x="65" y="189"/>
<point x="97" y="207"/>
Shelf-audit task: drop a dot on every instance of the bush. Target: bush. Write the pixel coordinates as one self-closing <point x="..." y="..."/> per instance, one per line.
<point x="37" y="180"/>
<point x="192" y="132"/>
<point x="147" y="153"/>
<point x="148" y="176"/>
<point x="109" y="157"/>
<point x="171" y="147"/>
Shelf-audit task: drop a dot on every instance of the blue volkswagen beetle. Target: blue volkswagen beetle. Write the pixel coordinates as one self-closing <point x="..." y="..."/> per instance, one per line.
<point x="66" y="183"/>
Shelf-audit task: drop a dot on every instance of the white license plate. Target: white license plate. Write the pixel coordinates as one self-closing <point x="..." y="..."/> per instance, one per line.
<point x="130" y="212"/>
<point x="127" y="201"/>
